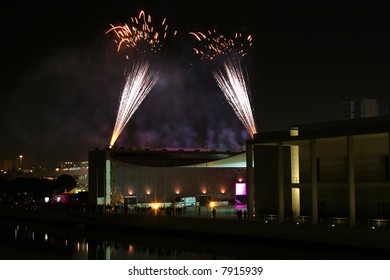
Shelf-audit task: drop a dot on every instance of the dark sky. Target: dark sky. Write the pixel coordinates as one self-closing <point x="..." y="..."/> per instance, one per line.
<point x="61" y="75"/>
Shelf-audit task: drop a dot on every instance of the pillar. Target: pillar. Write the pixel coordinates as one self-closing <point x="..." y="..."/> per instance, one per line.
<point x="280" y="183"/>
<point x="250" y="180"/>
<point x="314" y="182"/>
<point x="351" y="182"/>
<point x="388" y="155"/>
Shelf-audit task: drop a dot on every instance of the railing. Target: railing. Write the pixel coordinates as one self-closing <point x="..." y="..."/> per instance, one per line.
<point x="304" y="219"/>
<point x="380" y="223"/>
<point x="270" y="218"/>
<point x="337" y="221"/>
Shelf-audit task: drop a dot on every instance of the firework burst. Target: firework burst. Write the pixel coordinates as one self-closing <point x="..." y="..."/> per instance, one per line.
<point x="213" y="44"/>
<point x="232" y="81"/>
<point x="141" y="34"/>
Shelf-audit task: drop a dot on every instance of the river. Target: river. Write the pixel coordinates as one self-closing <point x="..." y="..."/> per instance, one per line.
<point x="31" y="241"/>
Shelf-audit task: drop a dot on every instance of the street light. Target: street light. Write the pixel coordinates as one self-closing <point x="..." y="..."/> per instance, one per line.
<point x="20" y="162"/>
<point x="177" y="192"/>
<point x="148" y="192"/>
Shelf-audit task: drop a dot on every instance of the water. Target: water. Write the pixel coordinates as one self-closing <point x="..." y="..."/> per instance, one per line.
<point x="25" y="241"/>
<point x="28" y="241"/>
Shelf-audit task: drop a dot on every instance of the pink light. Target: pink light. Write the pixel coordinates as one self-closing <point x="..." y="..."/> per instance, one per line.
<point x="240" y="188"/>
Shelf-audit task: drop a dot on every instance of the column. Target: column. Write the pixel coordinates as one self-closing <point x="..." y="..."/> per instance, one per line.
<point x="351" y="182"/>
<point x="280" y="183"/>
<point x="250" y="180"/>
<point x="314" y="183"/>
<point x="388" y="154"/>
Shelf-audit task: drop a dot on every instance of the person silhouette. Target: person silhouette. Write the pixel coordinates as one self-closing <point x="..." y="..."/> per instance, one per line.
<point x="213" y="212"/>
<point x="239" y="214"/>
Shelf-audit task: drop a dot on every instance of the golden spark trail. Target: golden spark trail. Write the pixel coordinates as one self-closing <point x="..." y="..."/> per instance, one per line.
<point x="140" y="34"/>
<point x="215" y="44"/>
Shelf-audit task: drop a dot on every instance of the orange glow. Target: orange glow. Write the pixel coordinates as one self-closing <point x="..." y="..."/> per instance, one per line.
<point x="140" y="34"/>
<point x="214" y="44"/>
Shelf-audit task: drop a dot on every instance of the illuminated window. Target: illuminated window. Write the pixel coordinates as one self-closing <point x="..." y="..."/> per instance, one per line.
<point x="240" y="188"/>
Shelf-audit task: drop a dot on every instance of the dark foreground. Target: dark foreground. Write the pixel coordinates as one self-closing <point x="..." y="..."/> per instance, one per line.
<point x="231" y="239"/>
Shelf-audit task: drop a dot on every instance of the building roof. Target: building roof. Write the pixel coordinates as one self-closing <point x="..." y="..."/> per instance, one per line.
<point x="168" y="157"/>
<point x="327" y="129"/>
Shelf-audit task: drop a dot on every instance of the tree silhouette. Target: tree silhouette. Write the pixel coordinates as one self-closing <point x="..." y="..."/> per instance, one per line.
<point x="65" y="182"/>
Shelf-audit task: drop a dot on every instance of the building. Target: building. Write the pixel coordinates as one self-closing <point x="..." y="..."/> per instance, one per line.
<point x="7" y="165"/>
<point x="77" y="169"/>
<point x="163" y="175"/>
<point x="334" y="171"/>
<point x="361" y="108"/>
<point x="384" y="109"/>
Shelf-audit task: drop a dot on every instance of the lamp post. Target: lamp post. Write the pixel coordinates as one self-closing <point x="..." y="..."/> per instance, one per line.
<point x="20" y="162"/>
<point x="177" y="192"/>
<point x="223" y="191"/>
<point x="147" y="194"/>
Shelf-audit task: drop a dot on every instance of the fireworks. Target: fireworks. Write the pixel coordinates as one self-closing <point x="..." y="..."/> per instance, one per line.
<point x="138" y="84"/>
<point x="233" y="84"/>
<point x="232" y="81"/>
<point x="214" y="44"/>
<point x="141" y="35"/>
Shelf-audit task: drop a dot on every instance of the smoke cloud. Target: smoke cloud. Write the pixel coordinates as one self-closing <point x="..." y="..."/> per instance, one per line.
<point x="67" y="106"/>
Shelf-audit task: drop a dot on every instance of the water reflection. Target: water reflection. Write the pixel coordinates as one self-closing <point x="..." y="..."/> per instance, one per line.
<point x="30" y="241"/>
<point x="24" y="241"/>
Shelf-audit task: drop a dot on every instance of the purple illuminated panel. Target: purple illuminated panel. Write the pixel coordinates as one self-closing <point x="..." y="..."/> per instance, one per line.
<point x="240" y="188"/>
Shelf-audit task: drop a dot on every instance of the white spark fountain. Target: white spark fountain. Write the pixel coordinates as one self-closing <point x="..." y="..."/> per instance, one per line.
<point x="138" y="83"/>
<point x="233" y="84"/>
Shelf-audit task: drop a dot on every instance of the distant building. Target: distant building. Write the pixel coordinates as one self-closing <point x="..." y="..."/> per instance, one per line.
<point x="361" y="108"/>
<point x="76" y="169"/>
<point x="384" y="109"/>
<point x="7" y="165"/>
<point x="72" y="165"/>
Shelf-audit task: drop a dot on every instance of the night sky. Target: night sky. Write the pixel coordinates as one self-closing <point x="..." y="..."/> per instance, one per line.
<point x="61" y="75"/>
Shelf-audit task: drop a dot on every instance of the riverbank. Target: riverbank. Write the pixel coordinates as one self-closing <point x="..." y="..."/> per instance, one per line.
<point x="363" y="242"/>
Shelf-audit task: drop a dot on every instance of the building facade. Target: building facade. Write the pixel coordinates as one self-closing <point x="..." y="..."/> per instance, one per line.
<point x="336" y="170"/>
<point x="163" y="175"/>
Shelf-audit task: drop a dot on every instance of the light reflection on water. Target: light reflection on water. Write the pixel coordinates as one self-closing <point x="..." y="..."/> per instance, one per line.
<point x="29" y="241"/>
